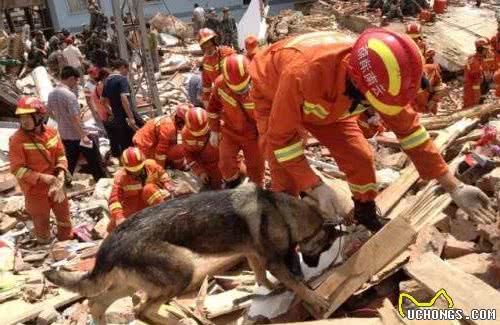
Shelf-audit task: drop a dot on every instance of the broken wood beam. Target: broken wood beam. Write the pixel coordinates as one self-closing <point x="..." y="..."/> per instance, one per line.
<point x="467" y="291"/>
<point x="385" y="245"/>
<point x="441" y="122"/>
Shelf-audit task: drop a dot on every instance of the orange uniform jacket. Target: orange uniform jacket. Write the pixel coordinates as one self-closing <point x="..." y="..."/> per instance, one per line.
<point x="232" y="113"/>
<point x="202" y="157"/>
<point x="434" y="94"/>
<point x="129" y="194"/>
<point x="495" y="47"/>
<point x="27" y="162"/>
<point x="302" y="81"/>
<point x="473" y="77"/>
<point x="157" y="139"/>
<point x="211" y="70"/>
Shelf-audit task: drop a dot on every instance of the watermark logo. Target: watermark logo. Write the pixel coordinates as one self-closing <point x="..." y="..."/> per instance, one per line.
<point x="423" y="310"/>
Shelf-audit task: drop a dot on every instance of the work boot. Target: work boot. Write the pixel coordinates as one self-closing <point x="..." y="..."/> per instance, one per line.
<point x="292" y="262"/>
<point x="234" y="183"/>
<point x="366" y="214"/>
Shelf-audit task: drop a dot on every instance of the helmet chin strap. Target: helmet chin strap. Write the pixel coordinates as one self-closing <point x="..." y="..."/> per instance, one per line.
<point x="38" y="120"/>
<point x="354" y="94"/>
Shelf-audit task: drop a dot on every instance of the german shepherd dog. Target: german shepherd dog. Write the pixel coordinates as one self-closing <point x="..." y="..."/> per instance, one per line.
<point x="155" y="250"/>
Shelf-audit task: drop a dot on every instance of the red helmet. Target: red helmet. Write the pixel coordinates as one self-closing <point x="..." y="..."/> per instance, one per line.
<point x="482" y="42"/>
<point x="205" y="35"/>
<point x="182" y="109"/>
<point x="387" y="68"/>
<point x="133" y="159"/>
<point x="29" y="105"/>
<point x="414" y="30"/>
<point x="235" y="72"/>
<point x="68" y="40"/>
<point x="251" y="43"/>
<point x="197" y="121"/>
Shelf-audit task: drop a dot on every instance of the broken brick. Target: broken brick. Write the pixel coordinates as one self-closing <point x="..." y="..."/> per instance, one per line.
<point x="462" y="228"/>
<point x="481" y="265"/>
<point x="454" y="248"/>
<point x="48" y="316"/>
<point x="429" y="239"/>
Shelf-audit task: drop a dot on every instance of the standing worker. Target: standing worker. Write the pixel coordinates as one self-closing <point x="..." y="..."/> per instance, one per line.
<point x="200" y="155"/>
<point x="139" y="184"/>
<point x="474" y="74"/>
<point x="37" y="159"/>
<point x="212" y="57"/>
<point x="229" y="30"/>
<point x="198" y="18"/>
<point x="152" y="37"/>
<point x="212" y="22"/>
<point x="319" y="81"/>
<point x="231" y="121"/>
<point x="495" y="47"/>
<point x="157" y="139"/>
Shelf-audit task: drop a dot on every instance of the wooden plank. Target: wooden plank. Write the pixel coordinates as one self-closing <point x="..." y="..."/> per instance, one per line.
<point x="440" y="121"/>
<point x="225" y="302"/>
<point x="385" y="245"/>
<point x="9" y="4"/>
<point x="467" y="291"/>
<point x="19" y="311"/>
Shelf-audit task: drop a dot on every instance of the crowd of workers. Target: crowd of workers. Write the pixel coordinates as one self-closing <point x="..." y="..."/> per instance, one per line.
<point x="253" y="108"/>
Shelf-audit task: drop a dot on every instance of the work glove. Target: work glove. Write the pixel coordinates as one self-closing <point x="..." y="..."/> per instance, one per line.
<point x="56" y="189"/>
<point x="366" y="214"/>
<point x="214" y="139"/>
<point x="324" y="198"/>
<point x="474" y="202"/>
<point x="165" y="193"/>
<point x="204" y="178"/>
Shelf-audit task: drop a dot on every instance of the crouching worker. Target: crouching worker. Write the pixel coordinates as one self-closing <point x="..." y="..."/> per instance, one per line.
<point x="202" y="157"/>
<point x="139" y="184"/>
<point x="38" y="161"/>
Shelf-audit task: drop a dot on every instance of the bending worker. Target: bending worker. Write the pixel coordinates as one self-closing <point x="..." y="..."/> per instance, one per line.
<point x="38" y="161"/>
<point x="320" y="81"/>
<point x="231" y="121"/>
<point x="158" y="138"/>
<point x="139" y="184"/>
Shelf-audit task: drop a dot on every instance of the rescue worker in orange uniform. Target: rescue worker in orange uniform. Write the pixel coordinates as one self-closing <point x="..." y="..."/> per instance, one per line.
<point x="158" y="138"/>
<point x="139" y="184"/>
<point x="38" y="161"/>
<point x="319" y="81"/>
<point x="231" y="121"/>
<point x="202" y="157"/>
<point x="414" y="30"/>
<point x="212" y="57"/>
<point x="495" y="47"/>
<point x="251" y="46"/>
<point x="431" y="91"/>
<point x="474" y="74"/>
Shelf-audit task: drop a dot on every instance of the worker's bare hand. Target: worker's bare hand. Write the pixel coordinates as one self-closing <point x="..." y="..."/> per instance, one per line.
<point x="132" y="124"/>
<point x="48" y="179"/>
<point x="204" y="178"/>
<point x="474" y="202"/>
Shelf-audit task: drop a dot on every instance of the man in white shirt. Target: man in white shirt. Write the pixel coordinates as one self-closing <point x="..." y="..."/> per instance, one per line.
<point x="198" y="19"/>
<point x="73" y="56"/>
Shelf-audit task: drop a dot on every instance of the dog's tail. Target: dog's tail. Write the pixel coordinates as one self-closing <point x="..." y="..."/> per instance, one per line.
<point x="87" y="284"/>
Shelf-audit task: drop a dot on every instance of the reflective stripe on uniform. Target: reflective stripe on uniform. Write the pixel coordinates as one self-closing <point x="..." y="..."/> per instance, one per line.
<point x="208" y="67"/>
<point x="34" y="146"/>
<point x="156" y="195"/>
<point x="52" y="142"/>
<point x="358" y="110"/>
<point x="249" y="105"/>
<point x="290" y="152"/>
<point x="476" y="87"/>
<point x="212" y="115"/>
<point x="206" y="89"/>
<point x="191" y="142"/>
<point x="133" y="187"/>
<point x="115" y="206"/>
<point x="415" y="139"/>
<point x="315" y="109"/>
<point x="230" y="100"/>
<point x="63" y="224"/>
<point x="21" y="171"/>
<point x="62" y="158"/>
<point x="160" y="157"/>
<point x="363" y="188"/>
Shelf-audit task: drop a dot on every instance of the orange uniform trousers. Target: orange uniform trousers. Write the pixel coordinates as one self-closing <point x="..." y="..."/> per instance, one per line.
<point x="38" y="206"/>
<point x="140" y="200"/>
<point x="229" y="164"/>
<point x="348" y="146"/>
